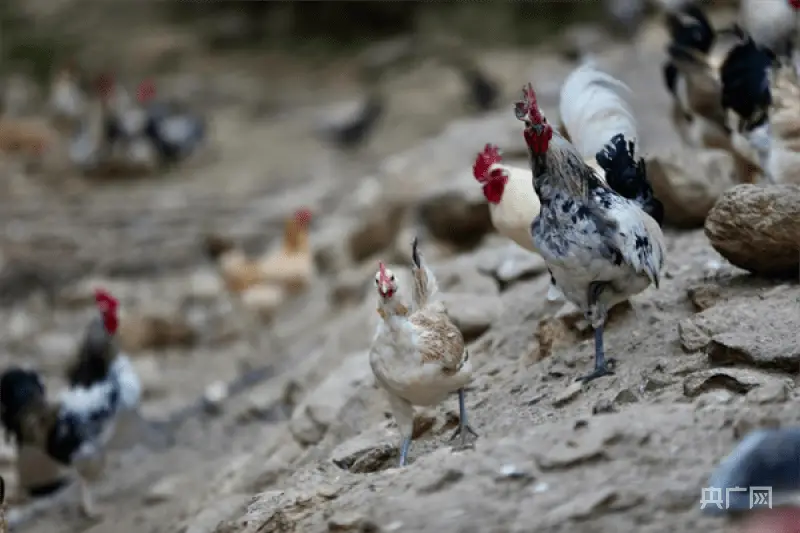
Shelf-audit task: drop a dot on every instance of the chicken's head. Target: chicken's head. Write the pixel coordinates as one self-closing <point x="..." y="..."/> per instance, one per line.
<point x="487" y="170"/>
<point x="537" y="131"/>
<point x="385" y="281"/>
<point x="107" y="305"/>
<point x="146" y="91"/>
<point x="302" y="217"/>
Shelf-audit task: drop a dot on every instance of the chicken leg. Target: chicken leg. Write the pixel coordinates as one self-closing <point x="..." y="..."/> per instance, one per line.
<point x="87" y="501"/>
<point x="597" y="316"/>
<point x="463" y="425"/>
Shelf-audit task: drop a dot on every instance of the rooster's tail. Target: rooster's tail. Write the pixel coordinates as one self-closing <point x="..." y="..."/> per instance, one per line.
<point x="594" y="108"/>
<point x="628" y="176"/>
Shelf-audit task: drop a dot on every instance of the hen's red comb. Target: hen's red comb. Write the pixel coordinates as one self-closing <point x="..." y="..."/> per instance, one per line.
<point x="104" y="298"/>
<point x="382" y="270"/>
<point x="527" y="109"/>
<point x="795" y="4"/>
<point x="146" y="91"/>
<point x="303" y="216"/>
<point x="484" y="161"/>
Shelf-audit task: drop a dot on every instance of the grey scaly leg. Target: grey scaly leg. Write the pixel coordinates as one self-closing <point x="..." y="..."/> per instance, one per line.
<point x="404" y="450"/>
<point x="463" y="424"/>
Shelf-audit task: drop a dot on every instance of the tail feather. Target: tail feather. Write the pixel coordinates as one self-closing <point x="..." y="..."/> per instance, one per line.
<point x="425" y="287"/>
<point x="628" y="177"/>
<point x="593" y="107"/>
<point x="690" y="29"/>
<point x="745" y="81"/>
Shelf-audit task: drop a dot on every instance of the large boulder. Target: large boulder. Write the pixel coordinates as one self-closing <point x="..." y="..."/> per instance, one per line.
<point x="757" y="228"/>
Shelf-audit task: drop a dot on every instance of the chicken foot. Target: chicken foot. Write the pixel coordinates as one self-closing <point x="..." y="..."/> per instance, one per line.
<point x="463" y="425"/>
<point x="88" y="508"/>
<point x="597" y="316"/>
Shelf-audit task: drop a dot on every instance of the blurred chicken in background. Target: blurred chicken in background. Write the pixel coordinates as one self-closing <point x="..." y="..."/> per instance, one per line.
<point x="260" y="286"/>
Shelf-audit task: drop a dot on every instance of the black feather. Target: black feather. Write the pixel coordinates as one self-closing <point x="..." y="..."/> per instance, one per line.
<point x="415" y="253"/>
<point x="19" y="389"/>
<point x="670" y="72"/>
<point x="744" y="77"/>
<point x="628" y="177"/>
<point x="690" y="29"/>
<point x="95" y="356"/>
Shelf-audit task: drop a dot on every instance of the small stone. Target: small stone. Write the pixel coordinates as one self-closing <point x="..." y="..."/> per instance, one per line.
<point x="214" y="397"/>
<point x="568" y="395"/>
<point x="351" y="521"/>
<point x="329" y="492"/>
<point x="160" y="492"/>
<point x="773" y="392"/>
<point x="603" y="407"/>
<point x="737" y="380"/>
<point x="704" y="296"/>
<point x="625" y="396"/>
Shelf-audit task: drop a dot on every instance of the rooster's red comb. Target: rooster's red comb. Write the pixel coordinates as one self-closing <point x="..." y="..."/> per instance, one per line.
<point x="527" y="109"/>
<point x="490" y="156"/>
<point x="104" y="298"/>
<point x="146" y="91"/>
<point x="303" y="216"/>
<point x="382" y="270"/>
<point x="794" y="4"/>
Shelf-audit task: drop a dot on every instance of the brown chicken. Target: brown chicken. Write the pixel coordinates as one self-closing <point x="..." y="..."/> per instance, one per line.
<point x="260" y="286"/>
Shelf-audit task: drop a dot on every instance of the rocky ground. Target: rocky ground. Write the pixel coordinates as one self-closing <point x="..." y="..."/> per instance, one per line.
<point x="302" y="439"/>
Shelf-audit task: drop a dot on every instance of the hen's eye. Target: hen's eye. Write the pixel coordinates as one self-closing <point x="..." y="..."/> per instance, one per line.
<point x="392" y="277"/>
<point x="377" y="281"/>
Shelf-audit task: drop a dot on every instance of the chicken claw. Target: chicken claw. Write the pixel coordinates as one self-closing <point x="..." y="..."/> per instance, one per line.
<point x="463" y="426"/>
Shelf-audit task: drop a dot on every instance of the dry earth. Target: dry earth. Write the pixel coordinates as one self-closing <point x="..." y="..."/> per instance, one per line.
<point x="309" y="446"/>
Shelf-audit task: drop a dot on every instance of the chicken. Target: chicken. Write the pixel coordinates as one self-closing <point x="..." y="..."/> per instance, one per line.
<point x="418" y="356"/>
<point x="260" y="286"/>
<point x="67" y="103"/>
<point x="747" y="98"/>
<point x="696" y="52"/>
<point x="101" y="143"/>
<point x="174" y="131"/>
<point x="601" y="247"/>
<point x="764" y="458"/>
<point x="593" y="108"/>
<point x="761" y="95"/>
<point x="513" y="204"/>
<point x="74" y="430"/>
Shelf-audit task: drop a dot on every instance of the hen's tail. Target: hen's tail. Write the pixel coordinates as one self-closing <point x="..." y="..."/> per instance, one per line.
<point x="425" y="287"/>
<point x="594" y="107"/>
<point x="628" y="177"/>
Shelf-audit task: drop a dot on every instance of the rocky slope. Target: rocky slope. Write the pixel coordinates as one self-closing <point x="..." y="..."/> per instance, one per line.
<point x="302" y="440"/>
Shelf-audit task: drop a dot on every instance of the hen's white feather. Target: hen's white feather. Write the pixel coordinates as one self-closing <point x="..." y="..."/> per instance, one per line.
<point x="594" y="107"/>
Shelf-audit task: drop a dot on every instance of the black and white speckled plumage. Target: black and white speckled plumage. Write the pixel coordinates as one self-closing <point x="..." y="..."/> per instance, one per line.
<point x="79" y="424"/>
<point x="588" y="234"/>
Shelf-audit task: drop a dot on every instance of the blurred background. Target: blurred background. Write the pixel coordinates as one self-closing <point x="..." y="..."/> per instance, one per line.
<point x="141" y="143"/>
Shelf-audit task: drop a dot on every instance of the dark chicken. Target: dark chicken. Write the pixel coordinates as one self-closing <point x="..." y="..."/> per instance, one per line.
<point x="75" y="430"/>
<point x="600" y="246"/>
<point x="174" y="132"/>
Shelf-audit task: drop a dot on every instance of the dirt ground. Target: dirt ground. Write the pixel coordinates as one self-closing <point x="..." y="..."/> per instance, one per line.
<point x="307" y="445"/>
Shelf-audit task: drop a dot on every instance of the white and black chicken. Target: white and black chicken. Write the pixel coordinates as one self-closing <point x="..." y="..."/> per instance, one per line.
<point x="175" y="132"/>
<point x="601" y="246"/>
<point x="75" y="430"/>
